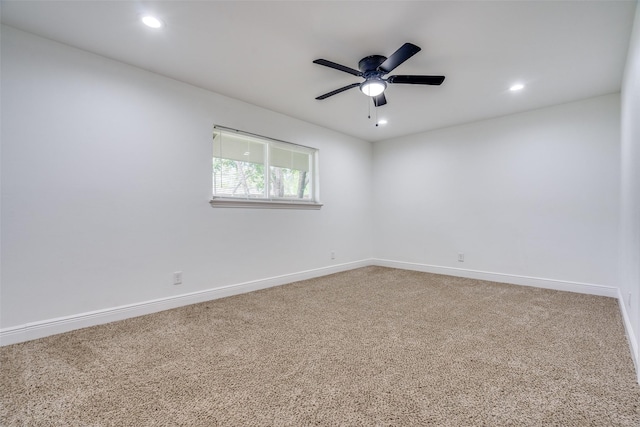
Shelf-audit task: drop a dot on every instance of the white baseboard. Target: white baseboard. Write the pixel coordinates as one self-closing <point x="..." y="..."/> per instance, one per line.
<point x="559" y="285"/>
<point x="631" y="337"/>
<point x="40" y="329"/>
<point x="35" y="330"/>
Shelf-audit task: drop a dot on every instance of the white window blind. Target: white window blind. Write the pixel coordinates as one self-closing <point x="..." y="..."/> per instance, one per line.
<point x="253" y="168"/>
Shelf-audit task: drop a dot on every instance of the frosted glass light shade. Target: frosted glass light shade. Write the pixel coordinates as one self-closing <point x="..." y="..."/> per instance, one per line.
<point x="373" y="87"/>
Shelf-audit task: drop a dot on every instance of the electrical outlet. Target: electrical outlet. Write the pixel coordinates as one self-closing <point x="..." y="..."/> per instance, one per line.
<point x="460" y="257"/>
<point x="333" y="255"/>
<point x="177" y="278"/>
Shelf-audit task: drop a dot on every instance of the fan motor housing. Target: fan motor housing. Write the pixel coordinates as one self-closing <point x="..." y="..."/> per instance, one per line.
<point x="371" y="63"/>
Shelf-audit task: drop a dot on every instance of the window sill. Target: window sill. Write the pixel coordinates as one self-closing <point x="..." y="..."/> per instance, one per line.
<point x="263" y="204"/>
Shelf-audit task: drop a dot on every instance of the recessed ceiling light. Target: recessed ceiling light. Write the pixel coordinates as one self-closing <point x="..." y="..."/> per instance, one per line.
<point x="516" y="87"/>
<point x="382" y="122"/>
<point x="151" y="21"/>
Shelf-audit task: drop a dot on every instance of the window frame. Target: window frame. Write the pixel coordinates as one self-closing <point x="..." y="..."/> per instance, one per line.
<point x="270" y="202"/>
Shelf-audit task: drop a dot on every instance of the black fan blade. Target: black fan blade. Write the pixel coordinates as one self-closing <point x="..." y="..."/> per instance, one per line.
<point x="342" y="89"/>
<point x="398" y="57"/>
<point x="379" y="100"/>
<point x="416" y="80"/>
<point x="337" y="67"/>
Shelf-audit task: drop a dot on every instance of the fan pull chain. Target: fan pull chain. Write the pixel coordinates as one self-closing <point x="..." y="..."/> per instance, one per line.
<point x="376" y="110"/>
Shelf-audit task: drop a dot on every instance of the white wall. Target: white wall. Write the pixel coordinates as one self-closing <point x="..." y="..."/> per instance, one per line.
<point x="630" y="185"/>
<point x="533" y="194"/>
<point x="106" y="180"/>
<point x="106" y="176"/>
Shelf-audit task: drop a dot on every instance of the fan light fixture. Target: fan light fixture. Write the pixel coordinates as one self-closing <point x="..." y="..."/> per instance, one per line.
<point x="373" y="87"/>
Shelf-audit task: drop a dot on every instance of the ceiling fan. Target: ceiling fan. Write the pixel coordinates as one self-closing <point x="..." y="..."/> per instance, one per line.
<point x="374" y="67"/>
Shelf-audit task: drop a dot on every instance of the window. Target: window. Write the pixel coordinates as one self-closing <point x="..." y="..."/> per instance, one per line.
<point x="255" y="171"/>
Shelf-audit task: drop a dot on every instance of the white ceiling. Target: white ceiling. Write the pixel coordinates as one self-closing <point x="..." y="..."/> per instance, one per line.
<point x="262" y="52"/>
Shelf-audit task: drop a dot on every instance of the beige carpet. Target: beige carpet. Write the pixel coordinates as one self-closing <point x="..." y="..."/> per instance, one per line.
<point x="373" y="346"/>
